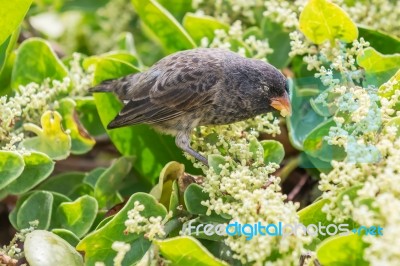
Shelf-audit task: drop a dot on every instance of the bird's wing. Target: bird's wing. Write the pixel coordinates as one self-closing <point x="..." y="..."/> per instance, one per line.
<point x="184" y="83"/>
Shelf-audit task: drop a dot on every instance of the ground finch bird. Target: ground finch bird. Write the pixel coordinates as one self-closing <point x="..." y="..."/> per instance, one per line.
<point x="198" y="87"/>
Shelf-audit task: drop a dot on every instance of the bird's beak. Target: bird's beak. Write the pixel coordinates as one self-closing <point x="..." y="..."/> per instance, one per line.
<point x="282" y="104"/>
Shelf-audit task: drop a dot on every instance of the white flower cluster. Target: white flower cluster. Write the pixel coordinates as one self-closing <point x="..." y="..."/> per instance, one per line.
<point x="371" y="169"/>
<point x="229" y="11"/>
<point x="27" y="105"/>
<point x="32" y="100"/>
<point x="390" y="98"/>
<point x="377" y="200"/>
<point x="248" y="46"/>
<point x="153" y="227"/>
<point x="245" y="188"/>
<point x="357" y="113"/>
<point x="111" y="20"/>
<point x="284" y="12"/>
<point x="378" y="14"/>
<point x="10" y="254"/>
<point x="121" y="248"/>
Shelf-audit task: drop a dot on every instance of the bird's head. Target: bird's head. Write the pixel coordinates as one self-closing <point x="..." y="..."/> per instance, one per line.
<point x="273" y="92"/>
<point x="279" y="98"/>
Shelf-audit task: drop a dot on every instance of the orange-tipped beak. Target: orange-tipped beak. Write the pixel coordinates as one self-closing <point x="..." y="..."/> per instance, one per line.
<point x="282" y="104"/>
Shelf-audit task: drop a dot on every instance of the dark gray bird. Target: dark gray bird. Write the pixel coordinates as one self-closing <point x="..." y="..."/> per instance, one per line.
<point x="198" y="87"/>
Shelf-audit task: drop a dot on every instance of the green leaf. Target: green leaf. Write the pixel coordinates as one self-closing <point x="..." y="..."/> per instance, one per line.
<point x="122" y="56"/>
<point x="78" y="216"/>
<point x="383" y="90"/>
<point x="200" y="27"/>
<point x="174" y="199"/>
<point x="51" y="138"/>
<point x="126" y="43"/>
<point x="83" y="6"/>
<point x="342" y="251"/>
<point x="30" y="211"/>
<point x="186" y="250"/>
<point x="94" y="175"/>
<point x="64" y="183"/>
<point x="38" y="167"/>
<point x="108" y="68"/>
<point x="11" y="14"/>
<point x="81" y="190"/>
<point x="255" y="147"/>
<point x="351" y="193"/>
<point x="67" y="235"/>
<point x="322" y="20"/>
<point x="381" y="41"/>
<point x="178" y="8"/>
<point x="273" y="151"/>
<point x="106" y="188"/>
<point x="11" y="166"/>
<point x="57" y="200"/>
<point x="163" y="190"/>
<point x="14" y="212"/>
<point x="81" y="141"/>
<point x="7" y="48"/>
<point x="43" y="248"/>
<point x="5" y="74"/>
<point x="379" y="68"/>
<point x="35" y="62"/>
<point x="305" y="119"/>
<point x="97" y="245"/>
<point x="214" y="161"/>
<point x="88" y="115"/>
<point x="320" y="165"/>
<point x="313" y="214"/>
<point x="193" y="196"/>
<point x="393" y="122"/>
<point x="316" y="146"/>
<point x="278" y="40"/>
<point x="164" y="27"/>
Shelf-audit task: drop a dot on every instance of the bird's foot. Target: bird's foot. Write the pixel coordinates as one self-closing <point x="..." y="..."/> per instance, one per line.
<point x="182" y="140"/>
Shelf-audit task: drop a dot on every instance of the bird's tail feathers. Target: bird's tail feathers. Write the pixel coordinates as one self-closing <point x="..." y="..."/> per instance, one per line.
<point x="122" y="87"/>
<point x="105" y="86"/>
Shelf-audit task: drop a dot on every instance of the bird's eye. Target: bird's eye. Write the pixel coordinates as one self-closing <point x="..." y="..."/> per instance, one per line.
<point x="287" y="86"/>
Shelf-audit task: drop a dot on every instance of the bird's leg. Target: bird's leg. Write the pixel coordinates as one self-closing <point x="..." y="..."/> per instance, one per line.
<point x="182" y="140"/>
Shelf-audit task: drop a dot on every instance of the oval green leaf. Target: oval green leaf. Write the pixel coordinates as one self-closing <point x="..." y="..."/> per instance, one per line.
<point x="163" y="190"/>
<point x="67" y="235"/>
<point x="97" y="245"/>
<point x="322" y="20"/>
<point x="186" y="250"/>
<point x="305" y="119"/>
<point x="163" y="25"/>
<point x="81" y="141"/>
<point x="11" y="167"/>
<point x="106" y="188"/>
<point x="35" y="62"/>
<point x="379" y="68"/>
<point x="37" y="206"/>
<point x="316" y="146"/>
<point x="200" y="27"/>
<point x="12" y="13"/>
<point x="43" y="248"/>
<point x="342" y="251"/>
<point x="273" y="151"/>
<point x="38" y="166"/>
<point x="79" y="215"/>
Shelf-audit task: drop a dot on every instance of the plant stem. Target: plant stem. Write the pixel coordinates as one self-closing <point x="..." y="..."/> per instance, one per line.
<point x="292" y="164"/>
